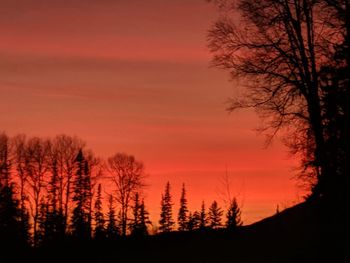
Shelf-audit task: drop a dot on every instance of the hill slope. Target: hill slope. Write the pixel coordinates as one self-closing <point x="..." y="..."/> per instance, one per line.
<point x="299" y="234"/>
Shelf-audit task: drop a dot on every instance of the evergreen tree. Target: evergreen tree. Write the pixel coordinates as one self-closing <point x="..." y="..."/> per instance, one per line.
<point x="99" y="217"/>
<point x="55" y="221"/>
<point x="42" y="223"/>
<point x="233" y="216"/>
<point x="24" y="225"/>
<point x="166" y="222"/>
<point x="215" y="214"/>
<point x="183" y="211"/>
<point x="194" y="221"/>
<point x="19" y="150"/>
<point x="140" y="218"/>
<point x="81" y="227"/>
<point x="144" y="219"/>
<point x="112" y="230"/>
<point x="203" y="220"/>
<point x="10" y="232"/>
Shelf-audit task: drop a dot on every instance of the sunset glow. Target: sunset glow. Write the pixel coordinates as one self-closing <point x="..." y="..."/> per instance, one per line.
<point x="135" y="77"/>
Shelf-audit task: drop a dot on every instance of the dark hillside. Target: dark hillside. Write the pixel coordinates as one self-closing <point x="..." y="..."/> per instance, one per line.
<point x="297" y="234"/>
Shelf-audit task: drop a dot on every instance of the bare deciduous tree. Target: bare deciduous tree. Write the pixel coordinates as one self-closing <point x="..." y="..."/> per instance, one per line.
<point x="64" y="150"/>
<point x="128" y="176"/>
<point x="37" y="168"/>
<point x="277" y="49"/>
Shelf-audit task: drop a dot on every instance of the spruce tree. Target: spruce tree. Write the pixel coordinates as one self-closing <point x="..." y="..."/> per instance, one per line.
<point x="81" y="227"/>
<point x="193" y="221"/>
<point x="55" y="220"/>
<point x="203" y="220"/>
<point x="233" y="216"/>
<point x="112" y="230"/>
<point x="99" y="217"/>
<point x="144" y="219"/>
<point x="140" y="218"/>
<point x="215" y="214"/>
<point x="183" y="211"/>
<point x="10" y="232"/>
<point x="166" y="222"/>
<point x="42" y="223"/>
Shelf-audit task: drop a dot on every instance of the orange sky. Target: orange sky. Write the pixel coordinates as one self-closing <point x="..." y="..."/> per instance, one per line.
<point x="133" y="76"/>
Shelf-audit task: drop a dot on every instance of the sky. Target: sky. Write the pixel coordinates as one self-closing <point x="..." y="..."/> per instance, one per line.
<point x="134" y="76"/>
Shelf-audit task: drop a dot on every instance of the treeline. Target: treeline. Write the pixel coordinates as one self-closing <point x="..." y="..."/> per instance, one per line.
<point x="197" y="220"/>
<point x="52" y="189"/>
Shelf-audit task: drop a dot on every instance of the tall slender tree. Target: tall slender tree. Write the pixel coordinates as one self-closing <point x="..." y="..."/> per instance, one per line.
<point x="166" y="222"/>
<point x="215" y="215"/>
<point x="99" y="217"/>
<point x="182" y="218"/>
<point x="54" y="225"/>
<point x="233" y="216"/>
<point x="19" y="157"/>
<point x="81" y="227"/>
<point x="37" y="167"/>
<point x="203" y="220"/>
<point x="140" y="222"/>
<point x="112" y="231"/>
<point x="65" y="149"/>
<point x="10" y="233"/>
<point x="128" y="176"/>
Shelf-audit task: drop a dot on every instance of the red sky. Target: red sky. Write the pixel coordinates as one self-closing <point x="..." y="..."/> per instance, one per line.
<point x="133" y="76"/>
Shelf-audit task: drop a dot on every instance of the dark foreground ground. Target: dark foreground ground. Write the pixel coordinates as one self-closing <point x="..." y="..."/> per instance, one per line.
<point x="298" y="234"/>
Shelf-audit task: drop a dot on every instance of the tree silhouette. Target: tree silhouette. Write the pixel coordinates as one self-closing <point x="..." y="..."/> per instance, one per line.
<point x="112" y="230"/>
<point x="194" y="221"/>
<point x="215" y="214"/>
<point x="99" y="217"/>
<point x="280" y="53"/>
<point x="144" y="219"/>
<point x="19" y="158"/>
<point x="166" y="222"/>
<point x="65" y="150"/>
<point x="55" y="221"/>
<point x="43" y="228"/>
<point x="182" y="215"/>
<point x="81" y="227"/>
<point x="10" y="232"/>
<point x="203" y="220"/>
<point x="233" y="216"/>
<point x="140" y="218"/>
<point x="128" y="176"/>
<point x="37" y="167"/>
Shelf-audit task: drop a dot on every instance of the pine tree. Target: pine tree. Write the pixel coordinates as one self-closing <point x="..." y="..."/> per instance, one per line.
<point x="233" y="216"/>
<point x="193" y="221"/>
<point x="112" y="230"/>
<point x="99" y="217"/>
<point x="55" y="220"/>
<point x="140" y="218"/>
<point x="183" y="211"/>
<point x="215" y="214"/>
<point x="42" y="223"/>
<point x="81" y="221"/>
<point x="203" y="220"/>
<point x="144" y="219"/>
<point x="166" y="222"/>
<point x="19" y="145"/>
<point x="10" y="232"/>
